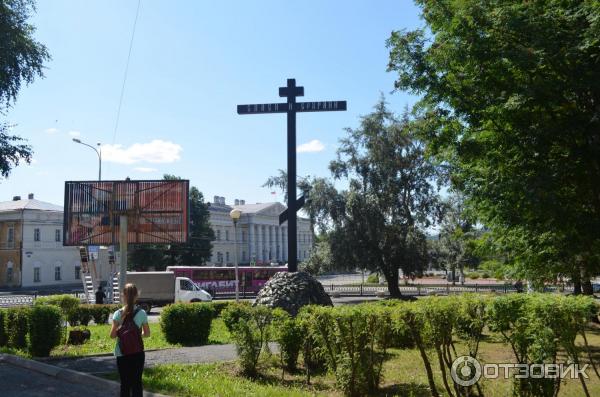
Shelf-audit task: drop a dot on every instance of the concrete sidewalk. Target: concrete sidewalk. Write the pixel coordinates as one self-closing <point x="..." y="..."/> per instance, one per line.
<point x="184" y="355"/>
<point x="20" y="377"/>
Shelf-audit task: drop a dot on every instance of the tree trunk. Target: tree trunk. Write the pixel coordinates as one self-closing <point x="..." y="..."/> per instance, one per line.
<point x="392" y="282"/>
<point x="586" y="283"/>
<point x="576" y="283"/>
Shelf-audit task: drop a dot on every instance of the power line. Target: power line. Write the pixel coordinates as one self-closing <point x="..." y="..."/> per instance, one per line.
<point x="137" y="12"/>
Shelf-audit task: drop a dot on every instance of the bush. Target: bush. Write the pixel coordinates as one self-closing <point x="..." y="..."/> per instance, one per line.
<point x="220" y="306"/>
<point x="251" y="334"/>
<point x="485" y="275"/>
<point x="3" y="334"/>
<point x="349" y="337"/>
<point x="45" y="329"/>
<point x="234" y="312"/>
<point x="187" y="323"/>
<point x="472" y="276"/>
<point x="289" y="333"/>
<point x="373" y="278"/>
<point x="66" y="302"/>
<point x="80" y="315"/>
<point x="16" y="326"/>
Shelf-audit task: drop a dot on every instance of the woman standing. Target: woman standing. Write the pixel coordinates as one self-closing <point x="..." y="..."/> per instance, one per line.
<point x="129" y="325"/>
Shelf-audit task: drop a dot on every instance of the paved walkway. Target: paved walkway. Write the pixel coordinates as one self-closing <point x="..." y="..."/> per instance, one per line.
<point x="184" y="355"/>
<point x="17" y="381"/>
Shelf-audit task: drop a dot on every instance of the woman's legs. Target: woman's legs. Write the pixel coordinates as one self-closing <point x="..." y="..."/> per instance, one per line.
<point x="137" y="368"/>
<point x="124" y="366"/>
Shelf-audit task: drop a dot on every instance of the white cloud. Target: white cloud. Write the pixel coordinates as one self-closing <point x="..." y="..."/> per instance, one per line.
<point x="75" y="134"/>
<point x="145" y="169"/>
<point x="156" y="151"/>
<point x="51" y="131"/>
<point x="311" y="147"/>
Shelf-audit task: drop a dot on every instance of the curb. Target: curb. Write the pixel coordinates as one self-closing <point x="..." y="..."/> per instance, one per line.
<point x="67" y="375"/>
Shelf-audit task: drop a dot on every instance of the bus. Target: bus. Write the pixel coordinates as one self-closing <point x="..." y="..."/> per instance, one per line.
<point x="217" y="279"/>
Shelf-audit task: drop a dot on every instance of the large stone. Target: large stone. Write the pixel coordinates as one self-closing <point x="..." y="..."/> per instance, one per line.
<point x="291" y="291"/>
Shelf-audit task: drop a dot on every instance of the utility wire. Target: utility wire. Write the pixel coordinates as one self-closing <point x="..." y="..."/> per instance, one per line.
<point x="137" y="12"/>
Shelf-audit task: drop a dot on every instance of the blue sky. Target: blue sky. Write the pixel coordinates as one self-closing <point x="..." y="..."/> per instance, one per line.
<point x="192" y="62"/>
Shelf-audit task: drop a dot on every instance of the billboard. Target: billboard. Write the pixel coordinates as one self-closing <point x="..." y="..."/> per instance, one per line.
<point x="157" y="212"/>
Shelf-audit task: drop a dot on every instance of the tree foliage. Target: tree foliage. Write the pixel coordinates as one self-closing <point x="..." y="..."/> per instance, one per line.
<point x="21" y="60"/>
<point x="509" y="100"/>
<point x="378" y="222"/>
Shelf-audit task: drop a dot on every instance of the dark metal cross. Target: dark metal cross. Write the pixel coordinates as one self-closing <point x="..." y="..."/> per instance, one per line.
<point x="291" y="107"/>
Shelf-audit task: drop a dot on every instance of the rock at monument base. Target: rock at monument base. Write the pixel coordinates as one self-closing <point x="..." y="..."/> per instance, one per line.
<point x="291" y="291"/>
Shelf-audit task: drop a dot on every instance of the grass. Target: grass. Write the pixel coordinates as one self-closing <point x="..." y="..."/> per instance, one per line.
<point x="403" y="375"/>
<point x="101" y="343"/>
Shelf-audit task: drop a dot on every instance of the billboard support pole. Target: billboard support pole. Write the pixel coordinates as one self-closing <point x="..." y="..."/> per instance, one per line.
<point x="123" y="251"/>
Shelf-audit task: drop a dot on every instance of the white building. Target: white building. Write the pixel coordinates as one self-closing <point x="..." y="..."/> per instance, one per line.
<point x="260" y="238"/>
<point x="31" y="250"/>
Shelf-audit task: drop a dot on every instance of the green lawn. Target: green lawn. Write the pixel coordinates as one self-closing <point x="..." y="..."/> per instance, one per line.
<point x="404" y="375"/>
<point x="100" y="341"/>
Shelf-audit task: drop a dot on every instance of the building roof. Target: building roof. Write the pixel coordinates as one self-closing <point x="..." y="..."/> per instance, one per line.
<point x="255" y="208"/>
<point x="31" y="204"/>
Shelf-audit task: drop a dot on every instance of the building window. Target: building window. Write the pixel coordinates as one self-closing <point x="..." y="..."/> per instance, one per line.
<point x="57" y="273"/>
<point x="243" y="236"/>
<point x="220" y="257"/>
<point x="227" y="257"/>
<point x="218" y="235"/>
<point x="36" y="234"/>
<point x="57" y="235"/>
<point x="244" y="256"/>
<point x="226" y="235"/>
<point x="36" y="275"/>
<point x="9" y="275"/>
<point x="11" y="235"/>
<point x="77" y="272"/>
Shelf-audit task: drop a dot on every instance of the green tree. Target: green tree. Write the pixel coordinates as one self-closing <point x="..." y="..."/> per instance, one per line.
<point x="378" y="222"/>
<point x="196" y="252"/>
<point x="21" y="61"/>
<point x="509" y="100"/>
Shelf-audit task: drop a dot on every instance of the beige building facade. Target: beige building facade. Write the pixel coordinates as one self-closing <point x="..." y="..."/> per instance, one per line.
<point x="259" y="237"/>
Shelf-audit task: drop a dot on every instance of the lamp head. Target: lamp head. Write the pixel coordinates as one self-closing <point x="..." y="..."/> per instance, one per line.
<point x="76" y="140"/>
<point x="235" y="214"/>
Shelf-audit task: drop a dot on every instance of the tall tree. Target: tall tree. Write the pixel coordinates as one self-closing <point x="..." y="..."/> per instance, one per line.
<point x="194" y="253"/>
<point x="511" y="98"/>
<point x="378" y="222"/>
<point x="21" y="60"/>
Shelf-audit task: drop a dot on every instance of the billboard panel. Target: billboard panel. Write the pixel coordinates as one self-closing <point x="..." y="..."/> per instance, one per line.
<point x="157" y="212"/>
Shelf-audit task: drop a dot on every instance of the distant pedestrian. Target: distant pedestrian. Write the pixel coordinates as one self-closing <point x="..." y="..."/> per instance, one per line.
<point x="129" y="325"/>
<point x="100" y="296"/>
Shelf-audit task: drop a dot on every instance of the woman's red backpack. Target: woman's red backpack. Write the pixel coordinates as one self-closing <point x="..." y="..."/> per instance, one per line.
<point x="130" y="336"/>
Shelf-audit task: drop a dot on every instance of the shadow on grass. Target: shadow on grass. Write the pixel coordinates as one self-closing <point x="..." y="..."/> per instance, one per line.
<point x="404" y="390"/>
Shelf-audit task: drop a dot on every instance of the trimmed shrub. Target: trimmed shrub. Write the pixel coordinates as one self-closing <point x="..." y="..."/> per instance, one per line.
<point x="3" y="334"/>
<point x="485" y="275"/>
<point x="66" y="302"/>
<point x="373" y="278"/>
<point x="219" y="306"/>
<point x="234" y="312"/>
<point x="349" y="336"/>
<point x="187" y="323"/>
<point x="16" y="326"/>
<point x="289" y="333"/>
<point x="80" y="315"/>
<point x="251" y="335"/>
<point x="45" y="329"/>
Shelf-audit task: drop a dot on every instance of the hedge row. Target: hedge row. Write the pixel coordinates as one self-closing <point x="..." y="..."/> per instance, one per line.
<point x="38" y="328"/>
<point x="83" y="314"/>
<point x="187" y="323"/>
<point x="351" y="341"/>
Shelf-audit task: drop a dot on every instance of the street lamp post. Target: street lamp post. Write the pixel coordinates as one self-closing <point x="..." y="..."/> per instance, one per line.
<point x="98" y="152"/>
<point x="235" y="217"/>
